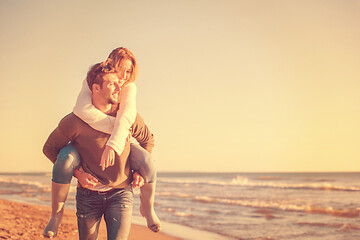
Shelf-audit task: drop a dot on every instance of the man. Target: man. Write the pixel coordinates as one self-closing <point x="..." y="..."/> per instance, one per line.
<point x="100" y="192"/>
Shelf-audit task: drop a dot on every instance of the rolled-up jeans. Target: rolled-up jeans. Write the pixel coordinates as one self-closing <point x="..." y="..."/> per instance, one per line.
<point x="68" y="160"/>
<point x="115" y="205"/>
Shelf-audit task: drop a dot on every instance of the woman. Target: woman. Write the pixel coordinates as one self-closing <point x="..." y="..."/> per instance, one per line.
<point x="68" y="159"/>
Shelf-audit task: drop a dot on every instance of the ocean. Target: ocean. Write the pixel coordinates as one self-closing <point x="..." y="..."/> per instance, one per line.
<point x="228" y="206"/>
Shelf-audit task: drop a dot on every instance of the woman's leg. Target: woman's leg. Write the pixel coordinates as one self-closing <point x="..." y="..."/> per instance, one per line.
<point x="140" y="161"/>
<point x="68" y="159"/>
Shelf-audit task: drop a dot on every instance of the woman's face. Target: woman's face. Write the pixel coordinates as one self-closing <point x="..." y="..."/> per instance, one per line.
<point x="125" y="70"/>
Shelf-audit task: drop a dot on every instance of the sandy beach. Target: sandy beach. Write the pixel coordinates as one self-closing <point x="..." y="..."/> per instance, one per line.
<point x="26" y="221"/>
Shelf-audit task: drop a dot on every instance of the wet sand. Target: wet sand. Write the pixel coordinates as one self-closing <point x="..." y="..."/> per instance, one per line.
<point x="26" y="221"/>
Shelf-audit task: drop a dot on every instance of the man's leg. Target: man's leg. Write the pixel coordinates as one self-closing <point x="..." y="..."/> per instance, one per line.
<point x="118" y="213"/>
<point x="89" y="206"/>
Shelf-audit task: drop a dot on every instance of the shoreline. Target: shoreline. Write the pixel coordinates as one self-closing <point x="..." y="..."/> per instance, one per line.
<point x="27" y="221"/>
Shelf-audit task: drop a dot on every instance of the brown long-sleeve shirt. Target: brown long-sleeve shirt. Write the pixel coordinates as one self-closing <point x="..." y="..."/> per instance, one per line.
<point x="91" y="143"/>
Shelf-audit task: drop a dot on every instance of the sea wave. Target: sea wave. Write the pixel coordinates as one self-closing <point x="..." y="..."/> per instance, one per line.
<point x="327" y="210"/>
<point x="240" y="180"/>
<point x="270" y="204"/>
<point x="342" y="227"/>
<point x="244" y="181"/>
<point x="25" y="183"/>
<point x="16" y="185"/>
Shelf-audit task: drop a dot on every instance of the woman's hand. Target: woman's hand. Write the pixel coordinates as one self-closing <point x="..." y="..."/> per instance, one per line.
<point x="138" y="180"/>
<point x="107" y="158"/>
<point x="85" y="179"/>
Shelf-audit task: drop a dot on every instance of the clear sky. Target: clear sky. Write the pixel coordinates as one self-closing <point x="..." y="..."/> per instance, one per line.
<point x="224" y="85"/>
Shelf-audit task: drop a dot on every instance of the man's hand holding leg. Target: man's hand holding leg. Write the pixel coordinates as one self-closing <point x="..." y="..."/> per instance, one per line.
<point x="85" y="179"/>
<point x="138" y="180"/>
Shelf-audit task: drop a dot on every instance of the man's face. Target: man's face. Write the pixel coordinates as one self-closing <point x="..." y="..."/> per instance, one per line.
<point x="110" y="88"/>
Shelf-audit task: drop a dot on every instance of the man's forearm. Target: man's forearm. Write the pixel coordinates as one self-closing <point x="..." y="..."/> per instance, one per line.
<point x="142" y="134"/>
<point x="55" y="142"/>
<point x="76" y="173"/>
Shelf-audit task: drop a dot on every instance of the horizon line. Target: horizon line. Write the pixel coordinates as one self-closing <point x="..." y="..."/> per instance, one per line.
<point x="183" y="171"/>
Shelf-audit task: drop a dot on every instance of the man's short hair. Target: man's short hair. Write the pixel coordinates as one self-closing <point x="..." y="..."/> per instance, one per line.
<point x="96" y="73"/>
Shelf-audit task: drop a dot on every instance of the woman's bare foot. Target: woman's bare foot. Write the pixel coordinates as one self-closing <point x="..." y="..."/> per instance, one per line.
<point x="147" y="196"/>
<point x="153" y="222"/>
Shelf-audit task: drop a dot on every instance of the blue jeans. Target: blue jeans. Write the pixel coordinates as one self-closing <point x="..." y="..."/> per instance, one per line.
<point x="140" y="161"/>
<point x="68" y="160"/>
<point x="116" y="207"/>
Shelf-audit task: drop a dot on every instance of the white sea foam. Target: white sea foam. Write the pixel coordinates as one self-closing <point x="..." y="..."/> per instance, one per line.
<point x="182" y="214"/>
<point x="183" y="232"/>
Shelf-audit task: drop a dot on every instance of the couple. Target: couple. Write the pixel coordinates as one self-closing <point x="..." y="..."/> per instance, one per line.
<point x="104" y="164"/>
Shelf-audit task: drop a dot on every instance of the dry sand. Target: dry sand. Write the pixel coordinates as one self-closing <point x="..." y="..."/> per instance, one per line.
<point x="25" y="221"/>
